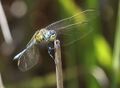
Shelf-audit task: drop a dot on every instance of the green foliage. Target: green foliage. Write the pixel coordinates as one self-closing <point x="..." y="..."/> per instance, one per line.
<point x="116" y="54"/>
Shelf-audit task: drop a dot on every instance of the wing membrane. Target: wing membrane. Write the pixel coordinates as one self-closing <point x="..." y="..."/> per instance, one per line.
<point x="75" y="33"/>
<point x="77" y="19"/>
<point x="29" y="56"/>
<point x="74" y="28"/>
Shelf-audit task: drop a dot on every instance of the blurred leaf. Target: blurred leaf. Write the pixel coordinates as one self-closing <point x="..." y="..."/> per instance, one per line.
<point x="103" y="51"/>
<point x="116" y="53"/>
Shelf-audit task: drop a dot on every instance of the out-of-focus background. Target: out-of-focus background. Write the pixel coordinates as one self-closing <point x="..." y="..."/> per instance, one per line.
<point x="92" y="62"/>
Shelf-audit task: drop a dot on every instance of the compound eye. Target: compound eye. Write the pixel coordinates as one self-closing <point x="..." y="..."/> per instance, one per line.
<point x="52" y="32"/>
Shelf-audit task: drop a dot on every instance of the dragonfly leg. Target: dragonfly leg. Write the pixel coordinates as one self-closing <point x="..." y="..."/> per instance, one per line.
<point x="51" y="52"/>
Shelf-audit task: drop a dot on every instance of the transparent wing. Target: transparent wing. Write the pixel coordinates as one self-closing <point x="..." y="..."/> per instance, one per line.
<point x="74" y="28"/>
<point x="77" y="19"/>
<point x="75" y="33"/>
<point x="29" y="56"/>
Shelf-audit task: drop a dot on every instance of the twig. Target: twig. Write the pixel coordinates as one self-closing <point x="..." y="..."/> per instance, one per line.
<point x="4" y="26"/>
<point x="58" y="63"/>
<point x="1" y="83"/>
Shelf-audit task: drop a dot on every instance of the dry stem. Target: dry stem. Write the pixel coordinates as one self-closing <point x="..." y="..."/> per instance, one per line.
<point x="58" y="63"/>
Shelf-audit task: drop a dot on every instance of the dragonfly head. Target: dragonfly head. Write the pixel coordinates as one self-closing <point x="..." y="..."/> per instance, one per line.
<point x="52" y="35"/>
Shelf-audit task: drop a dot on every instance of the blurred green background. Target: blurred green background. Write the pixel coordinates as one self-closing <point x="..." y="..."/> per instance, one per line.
<point x="92" y="62"/>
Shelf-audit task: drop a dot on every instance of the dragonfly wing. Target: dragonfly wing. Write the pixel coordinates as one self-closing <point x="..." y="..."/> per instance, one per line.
<point x="74" y="28"/>
<point x="78" y="18"/>
<point x="19" y="55"/>
<point x="29" y="58"/>
<point x="75" y="33"/>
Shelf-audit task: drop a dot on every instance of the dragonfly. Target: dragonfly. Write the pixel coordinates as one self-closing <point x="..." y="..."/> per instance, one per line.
<point x="30" y="56"/>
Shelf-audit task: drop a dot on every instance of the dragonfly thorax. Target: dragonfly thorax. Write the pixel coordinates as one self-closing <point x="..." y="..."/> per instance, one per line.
<point x="46" y="35"/>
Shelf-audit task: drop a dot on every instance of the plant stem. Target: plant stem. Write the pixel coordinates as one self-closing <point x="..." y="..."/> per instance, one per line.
<point x="58" y="63"/>
<point x="1" y="83"/>
<point x="4" y="26"/>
